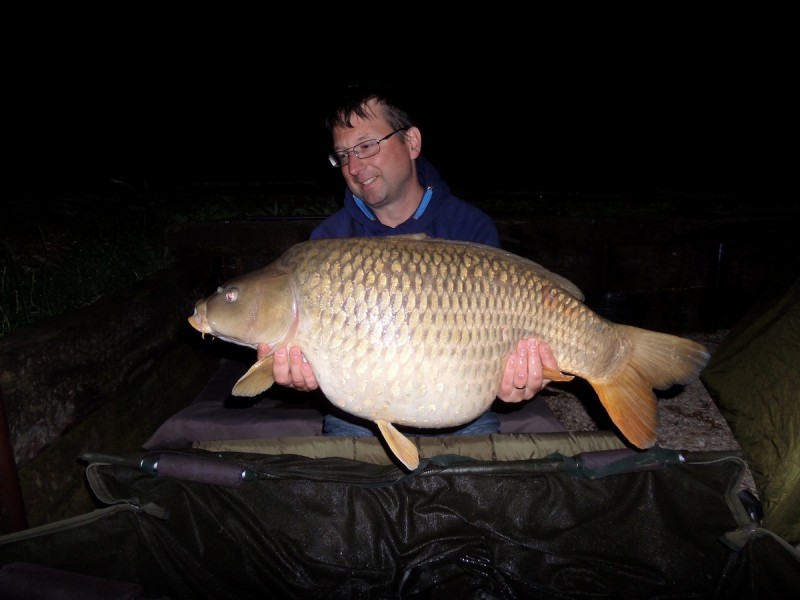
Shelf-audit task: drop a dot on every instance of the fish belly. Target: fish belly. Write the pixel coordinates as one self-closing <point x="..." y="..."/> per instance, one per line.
<point x="419" y="333"/>
<point x="419" y="384"/>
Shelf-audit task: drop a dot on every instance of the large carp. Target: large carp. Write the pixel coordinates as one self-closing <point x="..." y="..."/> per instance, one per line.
<point x="411" y="330"/>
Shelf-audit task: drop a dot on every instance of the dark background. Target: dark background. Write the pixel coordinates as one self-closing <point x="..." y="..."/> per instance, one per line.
<point x="647" y="112"/>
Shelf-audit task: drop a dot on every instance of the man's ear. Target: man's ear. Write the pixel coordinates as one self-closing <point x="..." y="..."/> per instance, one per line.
<point x="414" y="141"/>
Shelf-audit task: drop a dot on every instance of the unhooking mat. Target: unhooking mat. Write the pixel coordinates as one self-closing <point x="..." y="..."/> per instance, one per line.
<point x="194" y="524"/>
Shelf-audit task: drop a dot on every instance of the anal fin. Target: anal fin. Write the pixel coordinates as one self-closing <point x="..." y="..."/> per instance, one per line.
<point x="632" y="406"/>
<point x="554" y="375"/>
<point x="402" y="447"/>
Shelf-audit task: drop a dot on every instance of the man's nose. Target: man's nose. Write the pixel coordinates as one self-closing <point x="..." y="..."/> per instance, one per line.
<point x="355" y="165"/>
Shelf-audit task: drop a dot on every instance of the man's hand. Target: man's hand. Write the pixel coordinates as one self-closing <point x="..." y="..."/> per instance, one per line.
<point x="290" y="368"/>
<point x="522" y="377"/>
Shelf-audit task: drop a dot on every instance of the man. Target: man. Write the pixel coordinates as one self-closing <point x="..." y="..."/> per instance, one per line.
<point x="393" y="190"/>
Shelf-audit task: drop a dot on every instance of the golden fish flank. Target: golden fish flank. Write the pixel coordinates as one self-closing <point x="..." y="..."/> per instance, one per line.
<point x="408" y="330"/>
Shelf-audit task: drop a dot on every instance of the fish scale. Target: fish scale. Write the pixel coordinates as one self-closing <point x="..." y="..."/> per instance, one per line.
<point x="416" y="336"/>
<point x="416" y="331"/>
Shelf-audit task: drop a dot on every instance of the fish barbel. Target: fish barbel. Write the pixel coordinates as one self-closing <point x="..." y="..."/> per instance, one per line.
<point x="416" y="331"/>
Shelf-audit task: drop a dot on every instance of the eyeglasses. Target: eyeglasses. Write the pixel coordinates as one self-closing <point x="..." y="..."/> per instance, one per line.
<point x="363" y="150"/>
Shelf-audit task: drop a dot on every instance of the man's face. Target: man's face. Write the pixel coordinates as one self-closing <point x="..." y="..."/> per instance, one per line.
<point x="382" y="178"/>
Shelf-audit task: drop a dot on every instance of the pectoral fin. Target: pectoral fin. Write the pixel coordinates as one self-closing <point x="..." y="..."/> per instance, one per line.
<point x="257" y="379"/>
<point x="403" y="448"/>
<point x="556" y="375"/>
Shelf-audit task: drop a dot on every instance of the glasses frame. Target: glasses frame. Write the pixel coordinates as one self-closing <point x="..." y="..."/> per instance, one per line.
<point x="334" y="159"/>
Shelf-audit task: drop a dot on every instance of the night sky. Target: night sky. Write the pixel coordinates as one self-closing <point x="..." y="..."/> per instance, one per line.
<point x="670" y="121"/>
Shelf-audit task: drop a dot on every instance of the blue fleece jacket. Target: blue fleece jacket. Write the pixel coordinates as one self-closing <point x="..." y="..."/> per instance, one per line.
<point x="440" y="214"/>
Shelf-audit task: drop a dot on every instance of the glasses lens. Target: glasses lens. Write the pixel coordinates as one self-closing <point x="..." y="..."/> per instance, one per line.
<point x="338" y="159"/>
<point x="367" y="149"/>
<point x="362" y="150"/>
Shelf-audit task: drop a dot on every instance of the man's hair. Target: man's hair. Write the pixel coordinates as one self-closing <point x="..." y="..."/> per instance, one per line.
<point x="353" y="101"/>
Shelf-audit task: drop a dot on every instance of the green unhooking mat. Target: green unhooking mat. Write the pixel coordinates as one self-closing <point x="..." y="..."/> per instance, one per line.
<point x="612" y="524"/>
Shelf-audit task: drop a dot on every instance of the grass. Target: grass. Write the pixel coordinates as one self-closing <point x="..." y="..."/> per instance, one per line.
<point x="52" y="263"/>
<point x="60" y="253"/>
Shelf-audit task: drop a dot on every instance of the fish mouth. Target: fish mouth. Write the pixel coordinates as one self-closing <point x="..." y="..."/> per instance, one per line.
<point x="199" y="321"/>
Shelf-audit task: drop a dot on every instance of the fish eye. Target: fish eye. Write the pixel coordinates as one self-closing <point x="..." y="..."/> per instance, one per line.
<point x="231" y="295"/>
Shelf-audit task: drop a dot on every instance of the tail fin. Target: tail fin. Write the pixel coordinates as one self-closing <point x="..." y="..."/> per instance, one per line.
<point x="656" y="360"/>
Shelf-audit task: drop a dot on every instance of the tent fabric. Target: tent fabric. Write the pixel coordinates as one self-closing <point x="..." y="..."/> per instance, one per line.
<point x="754" y="378"/>
<point x="652" y="524"/>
